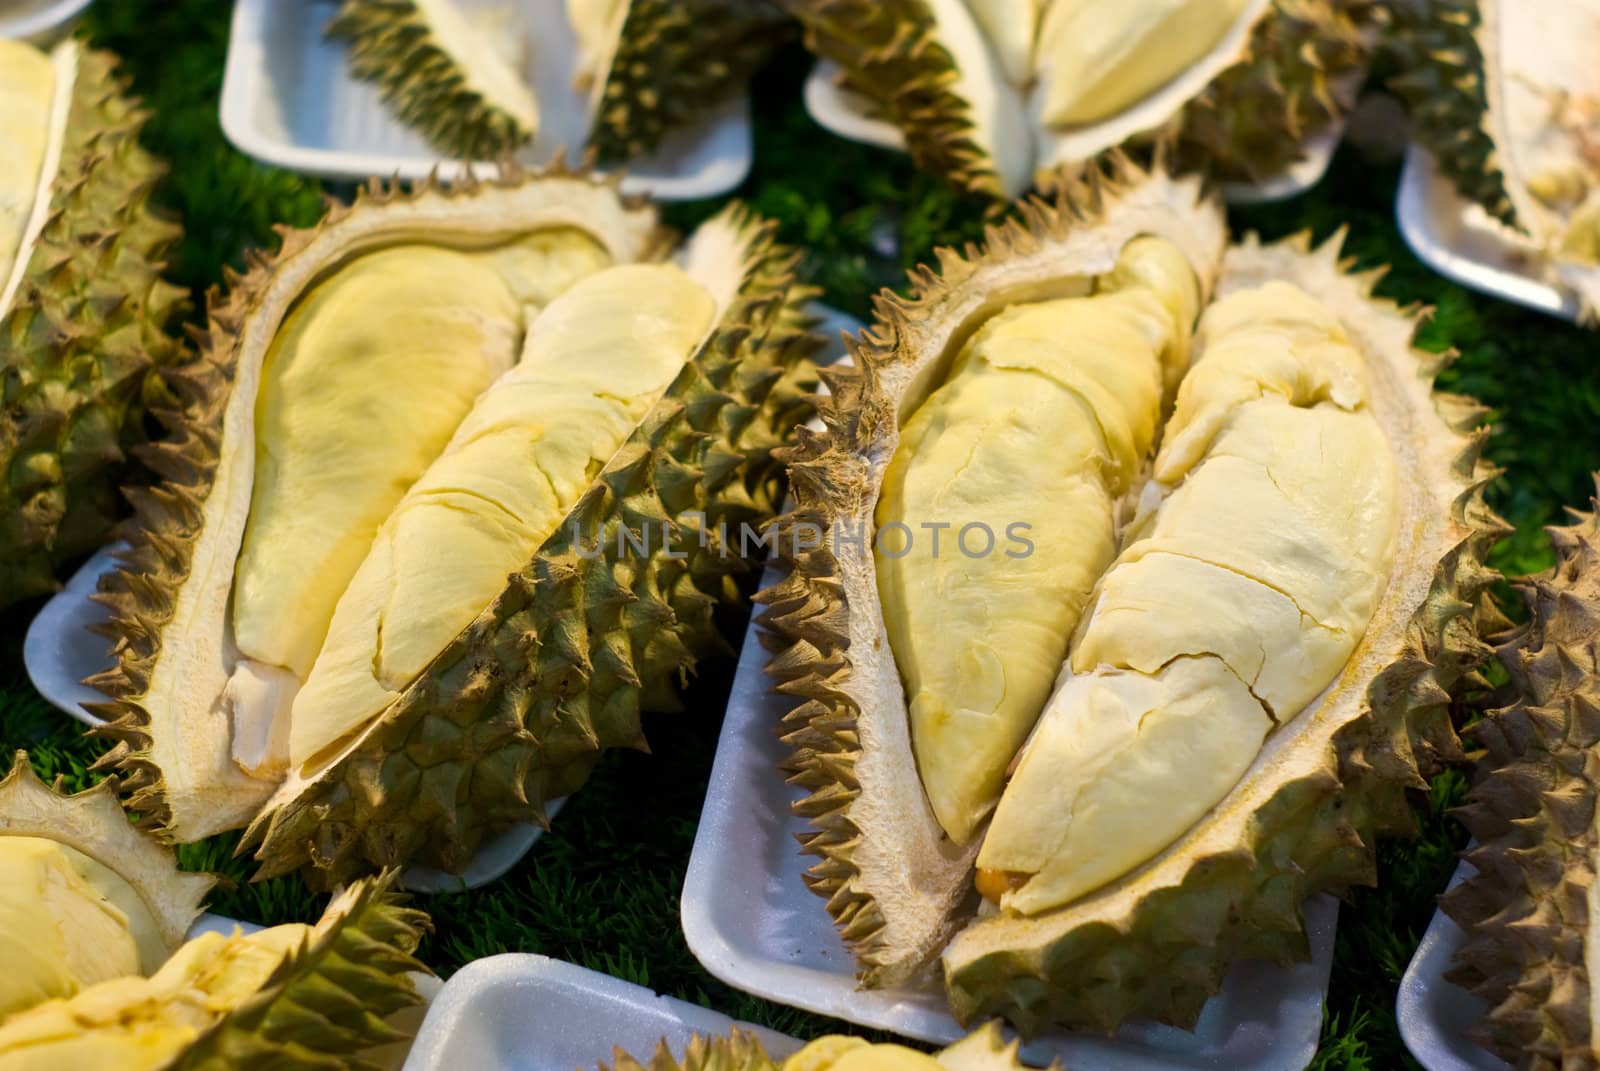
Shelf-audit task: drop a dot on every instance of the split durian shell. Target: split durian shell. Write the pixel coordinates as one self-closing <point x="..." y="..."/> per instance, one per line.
<point x="1157" y="942"/>
<point x="984" y="1049"/>
<point x="514" y="711"/>
<point x="1527" y="905"/>
<point x="84" y="321"/>
<point x="1287" y="71"/>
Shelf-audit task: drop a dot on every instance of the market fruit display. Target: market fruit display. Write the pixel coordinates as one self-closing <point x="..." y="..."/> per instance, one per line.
<point x="982" y="1050"/>
<point x="1506" y="98"/>
<point x="478" y="84"/>
<point x="1527" y="904"/>
<point x="84" y="312"/>
<point x="458" y="495"/>
<point x="1083" y="773"/>
<point x="990" y="93"/>
<point x="93" y="917"/>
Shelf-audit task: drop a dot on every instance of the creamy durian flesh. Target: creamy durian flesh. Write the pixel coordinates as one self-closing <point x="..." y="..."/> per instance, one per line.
<point x="28" y="81"/>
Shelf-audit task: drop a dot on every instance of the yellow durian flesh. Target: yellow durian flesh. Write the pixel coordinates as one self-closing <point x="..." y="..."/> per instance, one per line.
<point x="27" y="89"/>
<point x="984" y="1049"/>
<point x="979" y="631"/>
<point x="595" y="361"/>
<point x="1248" y="577"/>
<point x="1009" y="25"/>
<point x="59" y="932"/>
<point x="362" y="387"/>
<point x="141" y="1024"/>
<point x="1097" y="57"/>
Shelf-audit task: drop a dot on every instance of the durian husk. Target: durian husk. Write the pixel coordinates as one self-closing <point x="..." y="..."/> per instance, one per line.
<point x="330" y="1003"/>
<point x="1303" y="819"/>
<point x="985" y="1049"/>
<point x="516" y="710"/>
<point x="83" y="333"/>
<point x="676" y="59"/>
<point x="895" y="885"/>
<point x="168" y="598"/>
<point x="1525" y="905"/>
<point x="93" y="822"/>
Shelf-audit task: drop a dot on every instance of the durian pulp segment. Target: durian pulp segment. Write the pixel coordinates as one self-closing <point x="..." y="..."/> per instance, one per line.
<point x="1043" y="423"/>
<point x="488" y="57"/>
<point x="1098" y="57"/>
<point x="593" y="364"/>
<point x="984" y="1049"/>
<point x="1010" y="26"/>
<point x="35" y="104"/>
<point x="996" y="107"/>
<point x="369" y="376"/>
<point x="58" y="931"/>
<point x="1251" y="571"/>
<point x="142" y="1024"/>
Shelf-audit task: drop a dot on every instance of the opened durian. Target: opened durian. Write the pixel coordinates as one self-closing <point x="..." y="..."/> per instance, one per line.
<point x="628" y="73"/>
<point x="990" y="94"/>
<point x="83" y="310"/>
<point x="93" y="915"/>
<point x="1528" y="905"/>
<point x="983" y="1050"/>
<point x="1106" y="740"/>
<point x="1506" y="97"/>
<point x="460" y="492"/>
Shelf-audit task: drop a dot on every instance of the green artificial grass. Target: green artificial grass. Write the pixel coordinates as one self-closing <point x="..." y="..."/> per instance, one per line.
<point x="602" y="888"/>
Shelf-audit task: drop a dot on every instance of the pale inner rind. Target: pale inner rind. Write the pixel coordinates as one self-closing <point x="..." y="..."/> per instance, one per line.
<point x="488" y="56"/>
<point x="25" y="209"/>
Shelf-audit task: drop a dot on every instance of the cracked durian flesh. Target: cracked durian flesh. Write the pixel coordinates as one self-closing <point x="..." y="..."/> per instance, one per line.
<point x="27" y="89"/>
<point x="594" y="362"/>
<point x="1247" y="577"/>
<point x="979" y="637"/>
<point x="1099" y="57"/>
<point x="397" y="344"/>
<point x="141" y="1024"/>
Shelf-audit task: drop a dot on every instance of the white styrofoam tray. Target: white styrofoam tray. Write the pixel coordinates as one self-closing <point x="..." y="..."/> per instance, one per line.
<point x="1462" y="242"/>
<point x="848" y="115"/>
<point x="59" y="652"/>
<point x="39" y="21"/>
<point x="537" y="1014"/>
<point x="288" y="99"/>
<point x="1433" y="1014"/>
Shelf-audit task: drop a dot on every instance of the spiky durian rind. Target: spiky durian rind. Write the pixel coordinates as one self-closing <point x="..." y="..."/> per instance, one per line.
<point x="84" y="342"/>
<point x="1531" y="809"/>
<point x="392" y="45"/>
<point x="674" y="60"/>
<point x="327" y="1004"/>
<point x="888" y="54"/>
<point x="94" y="823"/>
<point x="740" y="1051"/>
<point x="169" y="522"/>
<point x="1158" y="943"/>
<point x="819" y="643"/>
<point x="516" y="710"/>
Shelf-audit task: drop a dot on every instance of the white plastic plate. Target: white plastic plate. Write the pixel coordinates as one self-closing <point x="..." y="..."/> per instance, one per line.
<point x="846" y="114"/>
<point x="288" y="99"/>
<point x="60" y="651"/>
<point x="1462" y="242"/>
<point x="39" y="21"/>
<point x="538" y="1014"/>
<point x="1433" y="1014"/>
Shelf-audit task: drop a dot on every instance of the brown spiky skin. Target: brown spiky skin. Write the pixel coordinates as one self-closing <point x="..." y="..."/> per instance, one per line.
<point x="160" y="537"/>
<point x="1532" y="812"/>
<point x="739" y="1052"/>
<point x="85" y="342"/>
<point x="326" y="1005"/>
<point x="1302" y="75"/>
<point x="516" y="710"/>
<point x="676" y="59"/>
<point x="392" y="45"/>
<point x="888" y="54"/>
<point x="1442" y="82"/>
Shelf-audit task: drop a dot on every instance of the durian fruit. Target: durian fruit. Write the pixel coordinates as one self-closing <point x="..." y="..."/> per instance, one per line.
<point x="1528" y="906"/>
<point x="382" y="605"/>
<point x="1505" y="96"/>
<point x="983" y="1050"/>
<point x="1260" y="669"/>
<point x="639" y="70"/>
<point x="291" y="997"/>
<point x="84" y="896"/>
<point x="84" y="312"/>
<point x="994" y="94"/>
